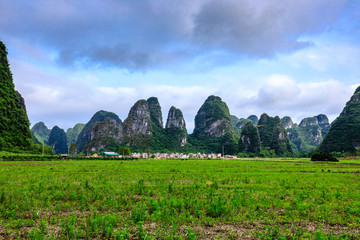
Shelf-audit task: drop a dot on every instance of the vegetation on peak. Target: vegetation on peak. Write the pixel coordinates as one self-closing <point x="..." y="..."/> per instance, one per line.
<point x="15" y="133"/>
<point x="58" y="140"/>
<point x="324" y="124"/>
<point x="357" y="90"/>
<point x="249" y="139"/>
<point x="73" y="133"/>
<point x="273" y="135"/>
<point x="213" y="109"/>
<point x="155" y="111"/>
<point x="175" y="118"/>
<point x="254" y="119"/>
<point x="343" y="135"/>
<point x="41" y="132"/>
<point x="238" y="123"/>
<point x="85" y="133"/>
<point x="213" y="128"/>
<point x="176" y="129"/>
<point x="263" y="118"/>
<point x="213" y="98"/>
<point x="309" y="121"/>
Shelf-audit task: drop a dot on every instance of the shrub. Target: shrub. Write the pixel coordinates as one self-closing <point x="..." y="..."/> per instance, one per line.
<point x="323" y="157"/>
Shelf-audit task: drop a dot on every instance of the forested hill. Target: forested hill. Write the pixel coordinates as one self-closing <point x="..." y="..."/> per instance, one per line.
<point x="14" y="123"/>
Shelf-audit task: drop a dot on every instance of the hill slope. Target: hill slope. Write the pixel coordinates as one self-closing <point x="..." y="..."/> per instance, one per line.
<point x="344" y="133"/>
<point x="14" y="123"/>
<point x="213" y="128"/>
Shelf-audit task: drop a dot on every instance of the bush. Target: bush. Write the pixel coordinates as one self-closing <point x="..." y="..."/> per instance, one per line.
<point x="323" y="157"/>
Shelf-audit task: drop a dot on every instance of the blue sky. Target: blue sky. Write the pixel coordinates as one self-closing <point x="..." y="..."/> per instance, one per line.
<point x="288" y="58"/>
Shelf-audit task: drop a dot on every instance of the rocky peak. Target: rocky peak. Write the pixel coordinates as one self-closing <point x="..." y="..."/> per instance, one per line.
<point x="242" y="122"/>
<point x="213" y="98"/>
<point x="107" y="128"/>
<point x="213" y="118"/>
<point x="58" y="140"/>
<point x="85" y="134"/>
<point x="176" y="127"/>
<point x="263" y="118"/>
<point x="287" y="122"/>
<point x="273" y="134"/>
<point x="138" y="120"/>
<point x="249" y="139"/>
<point x="309" y="121"/>
<point x="175" y="119"/>
<point x="323" y="123"/>
<point x="213" y="123"/>
<point x="41" y="132"/>
<point x="40" y="128"/>
<point x="254" y="119"/>
<point x="322" y="119"/>
<point x="73" y="133"/>
<point x="155" y="111"/>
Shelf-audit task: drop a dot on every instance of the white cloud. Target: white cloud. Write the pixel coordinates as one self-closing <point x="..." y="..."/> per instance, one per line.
<point x="72" y="102"/>
<point x="282" y="96"/>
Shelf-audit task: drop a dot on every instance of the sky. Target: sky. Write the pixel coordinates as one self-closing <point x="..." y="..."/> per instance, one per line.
<point x="70" y="59"/>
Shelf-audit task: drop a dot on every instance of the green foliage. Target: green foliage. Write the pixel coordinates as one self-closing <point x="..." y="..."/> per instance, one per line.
<point x="72" y="148"/>
<point x="238" y="124"/>
<point x="58" y="141"/>
<point x="14" y="124"/>
<point x="73" y="133"/>
<point x="155" y="111"/>
<point x="228" y="143"/>
<point x="124" y="150"/>
<point x="159" y="139"/>
<point x="322" y="157"/>
<point x="108" y="144"/>
<point x="41" y="132"/>
<point x="214" y="111"/>
<point x="249" y="141"/>
<point x="267" y="153"/>
<point x="273" y="135"/>
<point x="41" y="149"/>
<point x="343" y="135"/>
<point x="84" y="136"/>
<point x="166" y="140"/>
<point x="254" y="119"/>
<point x="304" y="139"/>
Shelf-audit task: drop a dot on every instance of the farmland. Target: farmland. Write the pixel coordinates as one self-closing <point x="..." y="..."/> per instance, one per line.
<point x="180" y="199"/>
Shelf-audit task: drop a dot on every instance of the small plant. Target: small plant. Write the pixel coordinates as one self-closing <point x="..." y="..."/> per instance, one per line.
<point x="140" y="187"/>
<point x="217" y="208"/>
<point x="141" y="233"/>
<point x="191" y="234"/>
<point x="138" y="213"/>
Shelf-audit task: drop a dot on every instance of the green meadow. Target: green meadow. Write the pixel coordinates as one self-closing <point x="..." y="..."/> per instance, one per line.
<point x="180" y="199"/>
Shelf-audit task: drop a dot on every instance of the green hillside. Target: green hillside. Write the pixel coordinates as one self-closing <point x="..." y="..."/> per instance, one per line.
<point x="14" y="123"/>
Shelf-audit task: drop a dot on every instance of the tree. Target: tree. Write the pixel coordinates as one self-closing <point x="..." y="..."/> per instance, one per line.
<point x="124" y="150"/>
<point x="73" y="148"/>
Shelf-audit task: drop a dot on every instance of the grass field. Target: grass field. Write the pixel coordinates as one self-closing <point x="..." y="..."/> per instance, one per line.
<point x="180" y="199"/>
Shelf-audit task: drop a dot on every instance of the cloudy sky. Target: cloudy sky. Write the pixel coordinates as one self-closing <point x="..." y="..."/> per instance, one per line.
<point x="288" y="58"/>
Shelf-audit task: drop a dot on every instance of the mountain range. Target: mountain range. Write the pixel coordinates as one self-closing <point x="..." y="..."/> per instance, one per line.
<point x="216" y="131"/>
